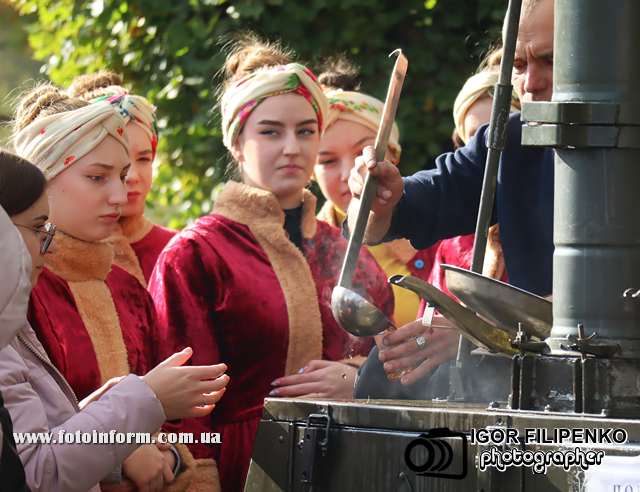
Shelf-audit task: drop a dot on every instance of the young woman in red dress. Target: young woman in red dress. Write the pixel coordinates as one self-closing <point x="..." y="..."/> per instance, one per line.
<point x="95" y="321"/>
<point x="352" y="123"/>
<point x="139" y="242"/>
<point x="251" y="283"/>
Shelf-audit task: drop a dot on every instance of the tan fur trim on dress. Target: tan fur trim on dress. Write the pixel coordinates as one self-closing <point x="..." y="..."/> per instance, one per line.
<point x="494" y="265"/>
<point x="100" y="318"/>
<point x="77" y="260"/>
<point x="125" y="257"/>
<point x="261" y="212"/>
<point x="328" y="214"/>
<point x="135" y="228"/>
<point x="196" y="476"/>
<point x="309" y="223"/>
<point x="85" y="266"/>
<point x="205" y="477"/>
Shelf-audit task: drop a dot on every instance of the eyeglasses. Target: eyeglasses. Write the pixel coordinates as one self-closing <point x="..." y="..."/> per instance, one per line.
<point x="48" y="231"/>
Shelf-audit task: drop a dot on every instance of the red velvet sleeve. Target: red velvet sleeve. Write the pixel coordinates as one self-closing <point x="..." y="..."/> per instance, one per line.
<point x="456" y="251"/>
<point x="183" y="287"/>
<point x="423" y="262"/>
<point x="154" y="352"/>
<point x="51" y="301"/>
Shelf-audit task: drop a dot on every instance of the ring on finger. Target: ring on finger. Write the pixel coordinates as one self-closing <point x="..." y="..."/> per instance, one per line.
<point x="421" y="342"/>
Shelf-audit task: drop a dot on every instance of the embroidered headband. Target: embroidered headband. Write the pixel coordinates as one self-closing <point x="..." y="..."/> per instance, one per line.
<point x="476" y="87"/>
<point x="363" y="109"/>
<point x="245" y="95"/>
<point x="56" y="141"/>
<point x="134" y="109"/>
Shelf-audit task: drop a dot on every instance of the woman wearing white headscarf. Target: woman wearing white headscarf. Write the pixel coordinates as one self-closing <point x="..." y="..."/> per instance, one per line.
<point x="472" y="109"/>
<point x="352" y="123"/>
<point x="251" y="283"/>
<point x="94" y="320"/>
<point x="38" y="398"/>
<point x="138" y="242"/>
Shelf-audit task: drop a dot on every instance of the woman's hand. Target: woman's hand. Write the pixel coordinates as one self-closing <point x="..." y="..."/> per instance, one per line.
<point x="189" y="391"/>
<point x="318" y="379"/>
<point x="148" y="468"/>
<point x="401" y="354"/>
<point x="97" y="394"/>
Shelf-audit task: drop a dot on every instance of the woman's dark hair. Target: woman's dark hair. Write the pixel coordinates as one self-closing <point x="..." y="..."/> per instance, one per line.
<point x="339" y="73"/>
<point x="21" y="183"/>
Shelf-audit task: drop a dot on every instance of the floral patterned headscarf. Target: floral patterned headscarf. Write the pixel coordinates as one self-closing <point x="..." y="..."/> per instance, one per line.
<point x="56" y="141"/>
<point x="363" y="109"/>
<point x="135" y="109"/>
<point x="245" y="95"/>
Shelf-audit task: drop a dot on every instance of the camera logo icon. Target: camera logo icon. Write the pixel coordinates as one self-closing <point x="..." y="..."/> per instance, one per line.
<point x="440" y="453"/>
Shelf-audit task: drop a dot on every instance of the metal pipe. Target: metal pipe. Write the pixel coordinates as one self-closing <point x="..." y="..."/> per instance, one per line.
<point x="596" y="225"/>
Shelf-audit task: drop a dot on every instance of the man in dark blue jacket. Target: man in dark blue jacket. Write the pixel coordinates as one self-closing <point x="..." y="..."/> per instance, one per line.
<point x="443" y="202"/>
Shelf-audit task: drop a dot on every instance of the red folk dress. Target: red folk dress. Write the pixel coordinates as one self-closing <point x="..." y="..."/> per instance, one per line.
<point x="396" y="257"/>
<point x="138" y="246"/>
<point x="94" y="319"/>
<point x="97" y="322"/>
<point x="238" y="291"/>
<point x="148" y="248"/>
<point x="458" y="251"/>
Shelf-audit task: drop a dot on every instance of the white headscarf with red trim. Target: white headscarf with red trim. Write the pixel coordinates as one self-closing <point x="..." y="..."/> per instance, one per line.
<point x="56" y="141"/>
<point x="363" y="109"/>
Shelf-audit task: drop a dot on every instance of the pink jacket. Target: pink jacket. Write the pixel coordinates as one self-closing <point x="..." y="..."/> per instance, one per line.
<point x="40" y="400"/>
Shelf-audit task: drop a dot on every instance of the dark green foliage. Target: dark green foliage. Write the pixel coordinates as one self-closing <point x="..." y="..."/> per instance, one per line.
<point x="170" y="50"/>
<point x="16" y="65"/>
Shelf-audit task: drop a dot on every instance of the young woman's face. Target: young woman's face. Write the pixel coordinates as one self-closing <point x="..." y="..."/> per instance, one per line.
<point x="341" y="143"/>
<point x="278" y="146"/>
<point x="86" y="199"/>
<point x="31" y="224"/>
<point x="140" y="173"/>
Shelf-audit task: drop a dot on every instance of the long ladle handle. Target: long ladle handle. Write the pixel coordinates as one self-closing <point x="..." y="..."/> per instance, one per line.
<point x="370" y="183"/>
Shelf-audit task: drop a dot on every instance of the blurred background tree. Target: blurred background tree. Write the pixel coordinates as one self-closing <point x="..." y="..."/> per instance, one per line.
<point x="170" y="51"/>
<point x="17" y="65"/>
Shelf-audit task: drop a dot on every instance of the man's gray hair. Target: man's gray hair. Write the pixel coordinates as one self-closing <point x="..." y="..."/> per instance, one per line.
<point x="527" y="8"/>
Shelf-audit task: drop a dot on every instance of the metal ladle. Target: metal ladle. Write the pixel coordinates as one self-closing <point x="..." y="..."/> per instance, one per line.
<point x="352" y="311"/>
